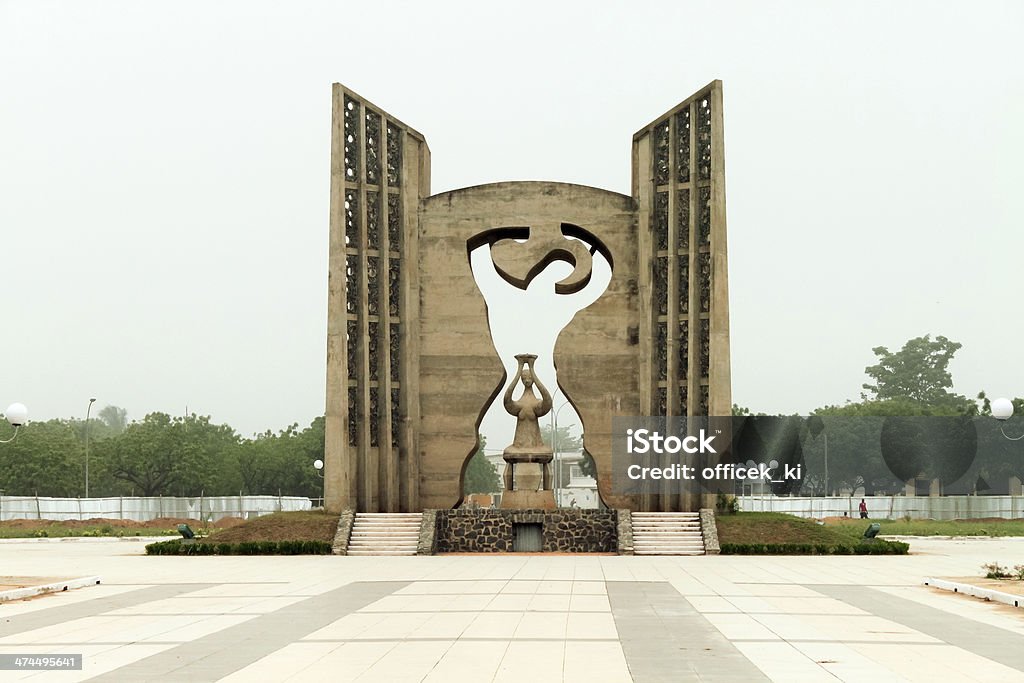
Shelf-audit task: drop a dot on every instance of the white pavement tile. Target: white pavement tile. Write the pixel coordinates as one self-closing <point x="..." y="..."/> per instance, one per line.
<point x="589" y="603"/>
<point x="291" y="660"/>
<point x="494" y="625"/>
<point x="931" y="663"/>
<point x="517" y="586"/>
<point x="407" y="662"/>
<point x="961" y="605"/>
<point x="711" y="603"/>
<point x="468" y="661"/>
<point x="594" y="663"/>
<point x="349" y="626"/>
<point x="847" y="664"/>
<point x="589" y="588"/>
<point x="810" y="605"/>
<point x="445" y="625"/>
<point x="64" y="599"/>
<point x="536" y="662"/>
<point x="551" y="603"/>
<point x="183" y="604"/>
<point x="740" y="627"/>
<point x="555" y="587"/>
<point x="549" y="625"/>
<point x="784" y="663"/>
<point x="514" y="602"/>
<point x="591" y="625"/>
<point x="339" y="663"/>
<point x="841" y="627"/>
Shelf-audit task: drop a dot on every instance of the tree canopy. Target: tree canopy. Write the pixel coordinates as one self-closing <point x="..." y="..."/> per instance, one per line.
<point x="918" y="372"/>
<point x="480" y="475"/>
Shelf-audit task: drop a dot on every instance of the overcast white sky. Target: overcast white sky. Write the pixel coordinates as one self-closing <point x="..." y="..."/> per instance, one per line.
<point x="164" y="174"/>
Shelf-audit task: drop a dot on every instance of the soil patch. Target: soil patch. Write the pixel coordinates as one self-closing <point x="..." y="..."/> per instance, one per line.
<point x="280" y="526"/>
<point x="11" y="582"/>
<point x="1011" y="586"/>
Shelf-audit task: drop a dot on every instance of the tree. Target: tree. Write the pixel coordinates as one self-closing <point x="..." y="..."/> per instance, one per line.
<point x="170" y="456"/>
<point x="480" y="476"/>
<point x="282" y="462"/>
<point x="115" y="418"/>
<point x="46" y="459"/>
<point x="566" y="441"/>
<point x="569" y="442"/>
<point x="918" y="372"/>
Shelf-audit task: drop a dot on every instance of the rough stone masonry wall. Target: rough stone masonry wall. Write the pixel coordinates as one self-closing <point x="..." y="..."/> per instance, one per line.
<point x="490" y="531"/>
<point x="625" y="532"/>
<point x="427" y="543"/>
<point x="709" y="530"/>
<point x="344" y="532"/>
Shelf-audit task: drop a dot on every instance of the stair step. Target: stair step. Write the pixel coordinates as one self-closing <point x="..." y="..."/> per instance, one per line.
<point x="367" y="553"/>
<point x="385" y="533"/>
<point x="667" y="533"/>
<point x="669" y="552"/>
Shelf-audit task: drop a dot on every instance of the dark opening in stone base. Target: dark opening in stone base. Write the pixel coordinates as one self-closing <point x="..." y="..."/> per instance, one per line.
<point x="493" y="530"/>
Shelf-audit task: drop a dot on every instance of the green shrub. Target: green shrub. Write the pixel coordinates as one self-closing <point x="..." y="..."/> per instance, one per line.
<point x="176" y="547"/>
<point x="994" y="570"/>
<point x="875" y="548"/>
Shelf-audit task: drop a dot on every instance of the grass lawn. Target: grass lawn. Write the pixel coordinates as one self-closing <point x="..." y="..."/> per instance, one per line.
<point x="48" y="528"/>
<point x="929" y="527"/>
<point x="776" y="527"/>
<point x="305" y="525"/>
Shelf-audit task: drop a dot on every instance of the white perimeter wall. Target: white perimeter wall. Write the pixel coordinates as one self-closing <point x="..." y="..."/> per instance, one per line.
<point x="890" y="507"/>
<point x="143" y="509"/>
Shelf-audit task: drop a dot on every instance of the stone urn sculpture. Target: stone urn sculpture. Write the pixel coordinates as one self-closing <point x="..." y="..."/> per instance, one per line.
<point x="527" y="470"/>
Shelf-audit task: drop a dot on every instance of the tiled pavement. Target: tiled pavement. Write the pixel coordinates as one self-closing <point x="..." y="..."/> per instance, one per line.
<point x="514" y="617"/>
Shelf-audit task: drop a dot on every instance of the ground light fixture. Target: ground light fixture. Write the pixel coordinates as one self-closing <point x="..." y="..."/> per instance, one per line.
<point x="1002" y="410"/>
<point x="17" y="415"/>
<point x="318" y="464"/>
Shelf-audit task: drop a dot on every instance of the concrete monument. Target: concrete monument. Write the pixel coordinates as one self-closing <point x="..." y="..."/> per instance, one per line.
<point x="411" y="367"/>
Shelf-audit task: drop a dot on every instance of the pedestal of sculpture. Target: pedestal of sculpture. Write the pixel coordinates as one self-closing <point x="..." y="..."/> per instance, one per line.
<point x="527" y="461"/>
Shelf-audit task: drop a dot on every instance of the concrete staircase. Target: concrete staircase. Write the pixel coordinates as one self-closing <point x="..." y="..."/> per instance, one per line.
<point x="385" y="533"/>
<point x="667" y="533"/>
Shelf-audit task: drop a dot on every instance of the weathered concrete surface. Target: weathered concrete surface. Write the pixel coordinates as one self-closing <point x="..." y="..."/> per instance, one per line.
<point x="407" y="392"/>
<point x="460" y="371"/>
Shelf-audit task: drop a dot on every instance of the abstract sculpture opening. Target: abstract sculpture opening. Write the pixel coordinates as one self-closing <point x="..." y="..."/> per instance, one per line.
<point x="411" y="366"/>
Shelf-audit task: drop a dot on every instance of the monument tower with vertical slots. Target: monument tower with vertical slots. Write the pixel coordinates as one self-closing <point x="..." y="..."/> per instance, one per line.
<point x="411" y="368"/>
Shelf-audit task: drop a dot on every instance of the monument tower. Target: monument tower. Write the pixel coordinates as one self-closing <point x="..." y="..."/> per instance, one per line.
<point x="411" y="368"/>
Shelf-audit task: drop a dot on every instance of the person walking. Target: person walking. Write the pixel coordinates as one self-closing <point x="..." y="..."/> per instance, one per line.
<point x="863" y="507"/>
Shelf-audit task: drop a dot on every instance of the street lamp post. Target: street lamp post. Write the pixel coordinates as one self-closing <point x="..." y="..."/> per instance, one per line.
<point x="88" y="411"/>
<point x="17" y="415"/>
<point x="318" y="464"/>
<point x="1002" y="410"/>
<point x="554" y="446"/>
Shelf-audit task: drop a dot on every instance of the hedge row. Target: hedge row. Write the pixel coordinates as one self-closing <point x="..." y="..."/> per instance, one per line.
<point x="176" y="547"/>
<point x="874" y="548"/>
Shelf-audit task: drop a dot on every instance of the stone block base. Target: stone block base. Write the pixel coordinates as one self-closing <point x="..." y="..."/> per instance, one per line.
<point x="493" y="531"/>
<point x="528" y="500"/>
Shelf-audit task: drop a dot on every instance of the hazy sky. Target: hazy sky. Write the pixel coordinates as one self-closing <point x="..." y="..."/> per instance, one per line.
<point x="164" y="175"/>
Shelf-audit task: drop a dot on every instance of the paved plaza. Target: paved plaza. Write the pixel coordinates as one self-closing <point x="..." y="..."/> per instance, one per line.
<point x="517" y="618"/>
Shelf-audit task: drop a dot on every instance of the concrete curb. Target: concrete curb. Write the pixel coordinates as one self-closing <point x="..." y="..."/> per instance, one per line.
<point x="60" y="586"/>
<point x="976" y="591"/>
<point x="89" y="539"/>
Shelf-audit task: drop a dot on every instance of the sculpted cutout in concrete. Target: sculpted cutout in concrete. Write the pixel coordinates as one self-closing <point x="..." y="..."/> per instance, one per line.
<point x="548" y="312"/>
<point x="547" y="243"/>
<point x="411" y="364"/>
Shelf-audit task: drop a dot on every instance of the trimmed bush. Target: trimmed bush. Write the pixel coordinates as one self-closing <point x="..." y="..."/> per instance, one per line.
<point x="878" y="547"/>
<point x="176" y="547"/>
